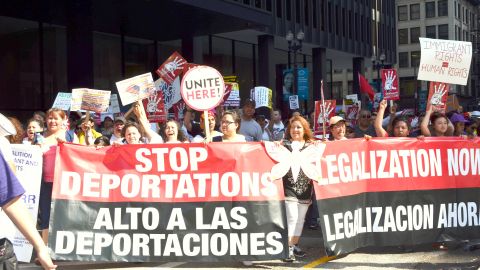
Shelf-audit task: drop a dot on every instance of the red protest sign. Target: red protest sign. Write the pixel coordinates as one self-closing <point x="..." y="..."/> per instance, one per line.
<point x="390" y="87"/>
<point x="321" y="115"/>
<point x="155" y="107"/>
<point x="437" y="96"/>
<point x="172" y="67"/>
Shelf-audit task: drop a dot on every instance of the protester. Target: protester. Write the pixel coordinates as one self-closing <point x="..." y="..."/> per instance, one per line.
<point x="20" y="131"/>
<point x="34" y="132"/>
<point x="298" y="192"/>
<point x="276" y="126"/>
<point x="134" y="133"/>
<point x="10" y="201"/>
<point x="441" y="126"/>
<point x="248" y="126"/>
<point x="101" y="141"/>
<point x="471" y="128"/>
<point x="211" y="125"/>
<point x="364" y="124"/>
<point x="229" y="125"/>
<point x="118" y="125"/>
<point x="458" y="121"/>
<point x="190" y="127"/>
<point x="262" y="121"/>
<point x="7" y="129"/>
<point x="107" y="126"/>
<point x="337" y="126"/>
<point x="40" y="116"/>
<point x="400" y="125"/>
<point x="87" y="133"/>
<point x="171" y="132"/>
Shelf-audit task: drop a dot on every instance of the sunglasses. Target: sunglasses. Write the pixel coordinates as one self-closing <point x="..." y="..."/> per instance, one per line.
<point x="365" y="116"/>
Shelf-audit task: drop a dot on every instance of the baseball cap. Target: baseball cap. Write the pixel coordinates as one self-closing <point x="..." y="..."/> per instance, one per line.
<point x="6" y="127"/>
<point x="335" y="119"/>
<point x="120" y="119"/>
<point x="456" y="117"/>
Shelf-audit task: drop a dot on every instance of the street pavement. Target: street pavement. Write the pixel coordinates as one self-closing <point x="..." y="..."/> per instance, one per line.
<point x="420" y="257"/>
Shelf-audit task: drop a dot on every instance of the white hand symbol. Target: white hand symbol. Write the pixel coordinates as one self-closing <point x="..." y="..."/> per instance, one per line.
<point x="323" y="116"/>
<point x="152" y="104"/>
<point x="438" y="94"/>
<point x="389" y="79"/>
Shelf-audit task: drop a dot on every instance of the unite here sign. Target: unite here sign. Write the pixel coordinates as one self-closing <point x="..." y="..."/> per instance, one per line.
<point x="446" y="61"/>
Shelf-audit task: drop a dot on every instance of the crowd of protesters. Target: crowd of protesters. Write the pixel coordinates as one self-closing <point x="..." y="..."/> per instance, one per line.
<point x="242" y="125"/>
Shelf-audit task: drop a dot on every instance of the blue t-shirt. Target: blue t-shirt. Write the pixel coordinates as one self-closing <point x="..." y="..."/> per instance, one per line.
<point x="10" y="187"/>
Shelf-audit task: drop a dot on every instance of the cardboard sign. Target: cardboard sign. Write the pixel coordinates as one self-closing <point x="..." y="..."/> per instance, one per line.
<point x="155" y="108"/>
<point x="233" y="99"/>
<point x="437" y="96"/>
<point x="90" y="100"/>
<point x="28" y="163"/>
<point x="446" y="61"/>
<point x="114" y="105"/>
<point x="172" y="67"/>
<point x="171" y="92"/>
<point x="63" y="101"/>
<point x="136" y="88"/>
<point x="202" y="88"/>
<point x="391" y="91"/>
<point x="293" y="102"/>
<point x="321" y="115"/>
<point x="262" y="96"/>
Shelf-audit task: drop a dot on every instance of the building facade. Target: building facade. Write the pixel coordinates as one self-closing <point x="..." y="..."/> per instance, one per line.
<point x="441" y="19"/>
<point x="51" y="46"/>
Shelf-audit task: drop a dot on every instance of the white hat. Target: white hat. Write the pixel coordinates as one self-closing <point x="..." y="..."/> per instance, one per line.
<point x="335" y="119"/>
<point x="475" y="114"/>
<point x="6" y="127"/>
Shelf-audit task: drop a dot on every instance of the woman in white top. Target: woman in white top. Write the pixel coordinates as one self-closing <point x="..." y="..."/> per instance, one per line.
<point x="229" y="126"/>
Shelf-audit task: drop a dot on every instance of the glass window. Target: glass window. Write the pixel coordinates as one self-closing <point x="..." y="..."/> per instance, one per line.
<point x="297" y="11"/>
<point x="403" y="59"/>
<point x="222" y="55"/>
<point x="278" y="6"/>
<point x="244" y="66"/>
<point x="414" y="34"/>
<point x="314" y="14"/>
<point x="20" y="66"/>
<point x="442" y="8"/>
<point x="288" y="9"/>
<point x="268" y="5"/>
<point x="107" y="61"/>
<point x="139" y="56"/>
<point x="431" y="31"/>
<point x="443" y="31"/>
<point x="402" y="13"/>
<point x="430" y="9"/>
<point x="415" y="12"/>
<point x="415" y="58"/>
<point x="403" y="36"/>
<point x="166" y="48"/>
<point x="55" y="62"/>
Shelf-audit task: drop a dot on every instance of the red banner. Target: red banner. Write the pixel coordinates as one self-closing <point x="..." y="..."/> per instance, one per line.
<point x="437" y="96"/>
<point x="172" y="67"/>
<point x="321" y="115"/>
<point x="391" y="91"/>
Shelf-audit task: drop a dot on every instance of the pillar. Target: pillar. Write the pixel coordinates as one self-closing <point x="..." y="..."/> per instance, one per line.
<point x="319" y="73"/>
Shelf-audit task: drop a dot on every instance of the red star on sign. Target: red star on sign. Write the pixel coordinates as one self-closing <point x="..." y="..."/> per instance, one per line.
<point x="445" y="64"/>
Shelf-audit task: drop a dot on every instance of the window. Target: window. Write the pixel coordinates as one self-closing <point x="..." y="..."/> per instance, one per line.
<point x="297" y="11"/>
<point x="415" y="12"/>
<point x="414" y="34"/>
<point x="431" y="31"/>
<point x="278" y="6"/>
<point x="268" y="5"/>
<point x="430" y="9"/>
<point x="403" y="59"/>
<point x="288" y="9"/>
<point x="402" y="13"/>
<point x="415" y="58"/>
<point x="443" y="31"/>
<point x="403" y="36"/>
<point x="442" y="8"/>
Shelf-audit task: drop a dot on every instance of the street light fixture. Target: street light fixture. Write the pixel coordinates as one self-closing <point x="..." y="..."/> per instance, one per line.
<point x="378" y="64"/>
<point x="295" y="44"/>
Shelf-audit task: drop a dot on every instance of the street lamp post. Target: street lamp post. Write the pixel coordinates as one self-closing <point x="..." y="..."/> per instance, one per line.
<point x="378" y="64"/>
<point x="294" y="45"/>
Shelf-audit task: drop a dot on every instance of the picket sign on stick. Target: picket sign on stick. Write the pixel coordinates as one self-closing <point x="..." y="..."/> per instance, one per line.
<point x="323" y="109"/>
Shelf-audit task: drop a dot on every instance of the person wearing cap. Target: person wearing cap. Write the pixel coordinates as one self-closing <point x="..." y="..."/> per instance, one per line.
<point x="337" y="126"/>
<point x="458" y="122"/>
<point x="211" y="125"/>
<point x="248" y="126"/>
<point x="87" y="133"/>
<point x="118" y="125"/>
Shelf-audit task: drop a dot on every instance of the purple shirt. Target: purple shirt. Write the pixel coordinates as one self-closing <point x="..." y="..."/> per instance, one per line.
<point x="10" y="187"/>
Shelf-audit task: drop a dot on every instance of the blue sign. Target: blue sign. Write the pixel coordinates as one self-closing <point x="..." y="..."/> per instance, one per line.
<point x="302" y="83"/>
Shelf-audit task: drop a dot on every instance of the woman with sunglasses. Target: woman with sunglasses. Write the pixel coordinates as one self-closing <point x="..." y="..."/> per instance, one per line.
<point x="229" y="126"/>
